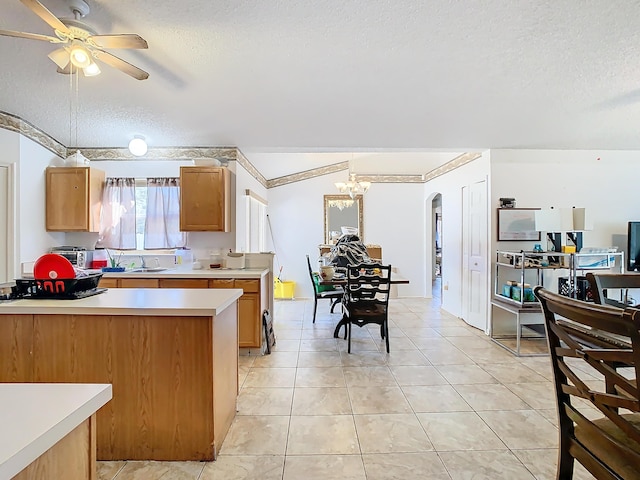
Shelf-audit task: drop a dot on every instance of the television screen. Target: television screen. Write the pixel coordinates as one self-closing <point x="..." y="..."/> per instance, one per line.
<point x="633" y="246"/>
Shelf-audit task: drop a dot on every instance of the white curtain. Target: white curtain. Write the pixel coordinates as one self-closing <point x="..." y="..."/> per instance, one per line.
<point x="162" y="224"/>
<point x="118" y="220"/>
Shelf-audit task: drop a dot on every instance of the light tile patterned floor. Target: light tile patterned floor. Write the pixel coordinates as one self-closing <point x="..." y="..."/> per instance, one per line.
<point x="445" y="404"/>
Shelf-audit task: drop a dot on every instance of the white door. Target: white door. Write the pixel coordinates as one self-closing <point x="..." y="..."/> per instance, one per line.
<point x="475" y="238"/>
<point x="5" y="275"/>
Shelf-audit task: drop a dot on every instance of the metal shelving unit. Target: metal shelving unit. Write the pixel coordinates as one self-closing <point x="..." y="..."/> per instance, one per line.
<point x="530" y="267"/>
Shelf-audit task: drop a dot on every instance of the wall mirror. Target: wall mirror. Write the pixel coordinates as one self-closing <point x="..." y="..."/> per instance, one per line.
<point x="342" y="211"/>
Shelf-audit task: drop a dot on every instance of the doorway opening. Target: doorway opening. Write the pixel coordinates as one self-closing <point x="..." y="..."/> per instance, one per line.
<point x="436" y="245"/>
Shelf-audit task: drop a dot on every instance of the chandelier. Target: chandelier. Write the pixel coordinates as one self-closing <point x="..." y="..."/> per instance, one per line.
<point x="353" y="187"/>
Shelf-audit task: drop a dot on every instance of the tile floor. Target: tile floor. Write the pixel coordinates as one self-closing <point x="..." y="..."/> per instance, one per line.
<point x="446" y="403"/>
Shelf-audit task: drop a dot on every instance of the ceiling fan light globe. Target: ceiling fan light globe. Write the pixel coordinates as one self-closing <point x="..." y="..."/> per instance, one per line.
<point x="80" y="56"/>
<point x="60" y="57"/>
<point x="92" y="70"/>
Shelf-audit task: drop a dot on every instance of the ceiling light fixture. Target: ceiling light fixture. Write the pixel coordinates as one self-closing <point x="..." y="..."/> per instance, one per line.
<point x="92" y="70"/>
<point x="138" y="146"/>
<point x="79" y="55"/>
<point x="352" y="187"/>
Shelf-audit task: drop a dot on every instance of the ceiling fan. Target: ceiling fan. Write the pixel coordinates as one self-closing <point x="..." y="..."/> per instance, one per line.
<point x="80" y="42"/>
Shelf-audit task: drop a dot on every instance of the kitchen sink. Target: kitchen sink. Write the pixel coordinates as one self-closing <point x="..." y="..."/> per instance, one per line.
<point x="147" y="269"/>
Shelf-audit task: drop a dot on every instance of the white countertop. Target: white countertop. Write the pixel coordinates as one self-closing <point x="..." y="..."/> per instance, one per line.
<point x="133" y="301"/>
<point x="35" y="416"/>
<point x="183" y="271"/>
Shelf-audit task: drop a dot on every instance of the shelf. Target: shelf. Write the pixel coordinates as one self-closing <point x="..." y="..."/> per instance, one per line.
<point x="510" y="316"/>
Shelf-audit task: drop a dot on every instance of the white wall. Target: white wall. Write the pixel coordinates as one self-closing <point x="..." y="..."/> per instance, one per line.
<point x="393" y="218"/>
<point x="450" y="186"/>
<point x="32" y="239"/>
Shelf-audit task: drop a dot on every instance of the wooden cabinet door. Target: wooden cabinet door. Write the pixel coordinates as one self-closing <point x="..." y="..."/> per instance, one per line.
<point x="139" y="283"/>
<point x="221" y="283"/>
<point x="16" y="348"/>
<point x="108" y="282"/>
<point x="204" y="199"/>
<point x="248" y="324"/>
<point x="184" y="283"/>
<point x="73" y="199"/>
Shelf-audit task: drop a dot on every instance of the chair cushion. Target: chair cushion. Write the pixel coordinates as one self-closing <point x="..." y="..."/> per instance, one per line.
<point x="337" y="292"/>
<point x="623" y="465"/>
<point x="321" y="288"/>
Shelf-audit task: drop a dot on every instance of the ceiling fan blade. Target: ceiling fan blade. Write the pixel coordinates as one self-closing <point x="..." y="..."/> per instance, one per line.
<point x="124" y="40"/>
<point x="36" y="7"/>
<point x="31" y="36"/>
<point x="121" y="65"/>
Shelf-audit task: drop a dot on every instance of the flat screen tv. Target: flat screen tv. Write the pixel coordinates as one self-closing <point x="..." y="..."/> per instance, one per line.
<point x="633" y="246"/>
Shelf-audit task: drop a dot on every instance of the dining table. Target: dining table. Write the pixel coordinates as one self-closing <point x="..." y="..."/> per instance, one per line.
<point x="341" y="281"/>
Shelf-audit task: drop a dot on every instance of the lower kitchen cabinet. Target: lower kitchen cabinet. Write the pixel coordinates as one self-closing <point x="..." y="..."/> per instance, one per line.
<point x="250" y="306"/>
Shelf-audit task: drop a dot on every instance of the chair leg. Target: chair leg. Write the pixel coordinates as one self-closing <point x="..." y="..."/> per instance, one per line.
<point x="349" y="332"/>
<point x="333" y="304"/>
<point x="315" y="307"/>
<point x="565" y="459"/>
<point x="386" y="334"/>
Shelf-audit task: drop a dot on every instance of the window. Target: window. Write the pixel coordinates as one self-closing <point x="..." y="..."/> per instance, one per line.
<point x="141" y="214"/>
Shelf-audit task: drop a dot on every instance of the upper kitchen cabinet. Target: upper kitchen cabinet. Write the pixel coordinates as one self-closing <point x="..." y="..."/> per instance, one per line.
<point x="204" y="199"/>
<point x="73" y="199"/>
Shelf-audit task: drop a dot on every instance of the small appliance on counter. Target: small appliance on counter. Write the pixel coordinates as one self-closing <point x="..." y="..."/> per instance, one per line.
<point x="78" y="256"/>
<point x="234" y="261"/>
<point x="56" y="278"/>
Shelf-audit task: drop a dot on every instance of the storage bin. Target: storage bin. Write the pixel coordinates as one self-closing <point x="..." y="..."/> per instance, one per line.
<point x="516" y="294"/>
<point x="583" y="289"/>
<point x="284" y="289"/>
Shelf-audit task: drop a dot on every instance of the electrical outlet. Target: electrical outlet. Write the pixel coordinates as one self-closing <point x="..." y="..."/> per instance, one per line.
<point x="446" y="286"/>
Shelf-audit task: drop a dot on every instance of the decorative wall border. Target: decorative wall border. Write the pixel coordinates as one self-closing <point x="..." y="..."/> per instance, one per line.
<point x="16" y="124"/>
<point x="457" y="162"/>
<point x="307" y="174"/>
<point x="223" y="154"/>
<point x="253" y="171"/>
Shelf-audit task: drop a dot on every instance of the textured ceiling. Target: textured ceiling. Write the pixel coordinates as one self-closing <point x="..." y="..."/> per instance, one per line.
<point x="342" y="75"/>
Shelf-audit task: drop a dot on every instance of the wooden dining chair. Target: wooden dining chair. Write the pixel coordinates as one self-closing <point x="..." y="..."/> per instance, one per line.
<point x="332" y="293"/>
<point x="605" y="342"/>
<point x="366" y="298"/>
<point x="601" y="282"/>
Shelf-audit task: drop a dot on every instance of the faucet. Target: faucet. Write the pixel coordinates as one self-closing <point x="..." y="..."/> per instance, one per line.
<point x="143" y="263"/>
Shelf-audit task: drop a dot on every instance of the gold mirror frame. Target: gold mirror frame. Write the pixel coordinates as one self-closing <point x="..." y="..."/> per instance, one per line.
<point x="358" y="201"/>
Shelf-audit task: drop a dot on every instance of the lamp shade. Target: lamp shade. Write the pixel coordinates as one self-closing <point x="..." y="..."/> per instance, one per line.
<point x="581" y="220"/>
<point x="548" y="220"/>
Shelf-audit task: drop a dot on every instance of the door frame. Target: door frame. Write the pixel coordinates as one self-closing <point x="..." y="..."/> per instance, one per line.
<point x="11" y="230"/>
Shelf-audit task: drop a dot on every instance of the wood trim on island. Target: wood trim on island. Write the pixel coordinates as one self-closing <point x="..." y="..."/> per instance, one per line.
<point x="175" y="378"/>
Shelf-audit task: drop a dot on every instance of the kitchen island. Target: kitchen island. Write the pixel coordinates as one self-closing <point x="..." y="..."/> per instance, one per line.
<point x="48" y="430"/>
<point x="171" y="356"/>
